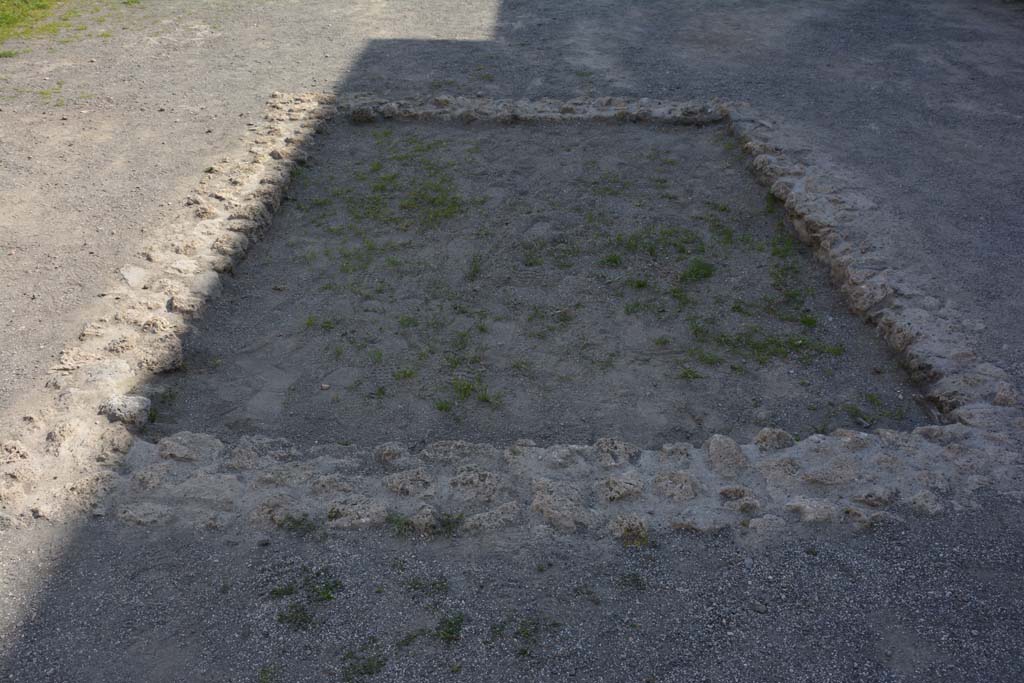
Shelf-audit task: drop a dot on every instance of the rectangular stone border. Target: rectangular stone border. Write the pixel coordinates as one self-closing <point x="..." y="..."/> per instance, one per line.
<point x="53" y="467"/>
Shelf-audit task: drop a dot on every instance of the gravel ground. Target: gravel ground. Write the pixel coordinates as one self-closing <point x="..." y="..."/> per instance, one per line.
<point x="104" y="129"/>
<point x="935" y="600"/>
<point x="558" y="283"/>
<point x="921" y="99"/>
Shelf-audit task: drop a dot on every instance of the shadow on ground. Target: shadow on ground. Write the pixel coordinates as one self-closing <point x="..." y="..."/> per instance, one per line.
<point x="934" y="600"/>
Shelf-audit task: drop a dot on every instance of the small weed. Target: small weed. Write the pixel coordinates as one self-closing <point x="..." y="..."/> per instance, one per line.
<point x="376" y="356"/>
<point x="363" y="665"/>
<point x="475" y="268"/>
<point x="411" y="637"/>
<point x="443" y="406"/>
<point x="400" y="525"/>
<point x="7" y="54"/>
<point x="858" y="415"/>
<point x="463" y="388"/>
<point x="662" y="341"/>
<point x="300" y="525"/>
<point x="267" y="674"/>
<point x="484" y="395"/>
<point x="533" y="254"/>
<point x="522" y="365"/>
<point x="404" y="373"/>
<point x="437" y="586"/>
<point x="609" y="185"/>
<point x="697" y="270"/>
<point x="611" y="260"/>
<point x="723" y="233"/>
<point x="283" y="591"/>
<point x="700" y="329"/>
<point x="638" y="307"/>
<point x="449" y="628"/>
<point x="681" y="297"/>
<point x="808" y="321"/>
<point x="686" y="372"/>
<point x="585" y="591"/>
<point x="763" y="347"/>
<point x="295" y="616"/>
<point x="448" y="524"/>
<point x="407" y="321"/>
<point x="637" y="284"/>
<point x="705" y="357"/>
<point x="783" y="245"/>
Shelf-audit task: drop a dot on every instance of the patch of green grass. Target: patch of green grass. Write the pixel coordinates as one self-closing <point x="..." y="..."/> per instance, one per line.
<point x="533" y="254"/>
<point x="364" y="664"/>
<point x="407" y="321"/>
<point x="609" y="185"/>
<point x="404" y="373"/>
<point x="484" y="395"/>
<point x="857" y="414"/>
<point x="705" y="357"/>
<point x="723" y="233"/>
<point x="662" y="342"/>
<point x="433" y="200"/>
<point x="681" y="297"/>
<point x="653" y="241"/>
<point x="20" y="18"/>
<point x="320" y="586"/>
<point x="443" y="406"/>
<point x="7" y="54"/>
<point x="449" y="628"/>
<point x="808" y="321"/>
<point x="686" y="372"/>
<point x="638" y="307"/>
<point x="463" y="388"/>
<point x="436" y="586"/>
<point x="611" y="260"/>
<point x="700" y="328"/>
<point x="763" y="347"/>
<point x="475" y="268"/>
<point x="296" y="616"/>
<point x="783" y="245"/>
<point x="283" y="591"/>
<point x="400" y="525"/>
<point x="448" y="524"/>
<point x="698" y="269"/>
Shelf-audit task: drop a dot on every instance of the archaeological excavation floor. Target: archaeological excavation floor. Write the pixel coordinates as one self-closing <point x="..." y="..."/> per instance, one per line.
<point x="558" y="282"/>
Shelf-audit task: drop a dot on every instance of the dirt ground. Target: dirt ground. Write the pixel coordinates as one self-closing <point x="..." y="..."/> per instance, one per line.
<point x="556" y="283"/>
<point x="106" y="126"/>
